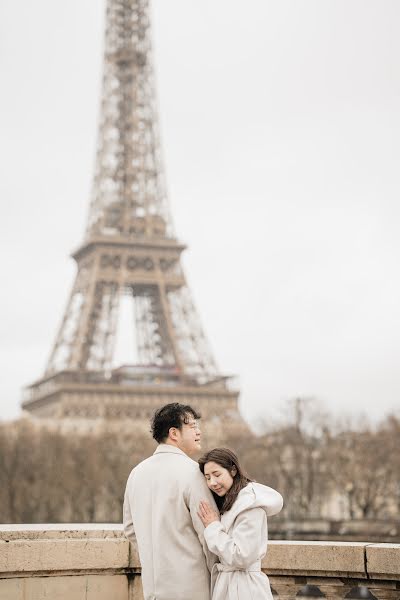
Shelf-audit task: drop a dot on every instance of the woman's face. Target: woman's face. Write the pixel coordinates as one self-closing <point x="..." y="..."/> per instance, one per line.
<point x="219" y="479"/>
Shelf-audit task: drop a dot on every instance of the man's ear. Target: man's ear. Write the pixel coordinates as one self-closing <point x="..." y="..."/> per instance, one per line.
<point x="173" y="433"/>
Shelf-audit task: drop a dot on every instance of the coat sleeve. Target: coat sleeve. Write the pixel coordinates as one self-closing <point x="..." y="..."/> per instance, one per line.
<point x="198" y="491"/>
<point x="240" y="548"/>
<point x="129" y="529"/>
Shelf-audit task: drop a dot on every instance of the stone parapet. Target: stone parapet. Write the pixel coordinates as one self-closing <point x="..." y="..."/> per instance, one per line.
<point x="96" y="562"/>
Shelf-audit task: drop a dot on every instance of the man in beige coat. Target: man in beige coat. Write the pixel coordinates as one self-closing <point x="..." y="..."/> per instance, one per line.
<point x="161" y="501"/>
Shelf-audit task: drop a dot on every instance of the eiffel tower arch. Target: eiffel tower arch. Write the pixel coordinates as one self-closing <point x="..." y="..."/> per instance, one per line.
<point x="129" y="251"/>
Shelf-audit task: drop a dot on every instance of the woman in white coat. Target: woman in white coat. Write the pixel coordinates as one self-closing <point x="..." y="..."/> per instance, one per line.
<point x="239" y="537"/>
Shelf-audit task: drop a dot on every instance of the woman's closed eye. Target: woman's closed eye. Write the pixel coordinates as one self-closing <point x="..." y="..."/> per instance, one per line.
<point x="215" y="475"/>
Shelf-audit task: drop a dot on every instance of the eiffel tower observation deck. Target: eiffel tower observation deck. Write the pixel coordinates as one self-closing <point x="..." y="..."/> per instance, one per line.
<point x="129" y="254"/>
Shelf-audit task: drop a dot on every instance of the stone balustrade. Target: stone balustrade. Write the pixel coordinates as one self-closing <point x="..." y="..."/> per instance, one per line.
<point x="96" y="562"/>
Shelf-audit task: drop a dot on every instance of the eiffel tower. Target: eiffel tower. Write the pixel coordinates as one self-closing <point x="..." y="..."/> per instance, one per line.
<point x="129" y="250"/>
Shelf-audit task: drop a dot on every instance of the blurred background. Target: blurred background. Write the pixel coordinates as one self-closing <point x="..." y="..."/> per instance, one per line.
<point x="280" y="130"/>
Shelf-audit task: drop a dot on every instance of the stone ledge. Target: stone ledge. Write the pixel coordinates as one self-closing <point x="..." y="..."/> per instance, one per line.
<point x="63" y="555"/>
<point x="90" y="548"/>
<point x="332" y="559"/>
<point x="48" y="531"/>
<point x="383" y="561"/>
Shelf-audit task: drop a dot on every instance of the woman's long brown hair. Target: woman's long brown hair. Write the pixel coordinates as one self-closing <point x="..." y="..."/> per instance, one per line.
<point x="228" y="460"/>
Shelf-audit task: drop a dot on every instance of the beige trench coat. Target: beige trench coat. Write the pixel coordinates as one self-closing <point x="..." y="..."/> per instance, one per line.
<point x="240" y="540"/>
<point x="160" y="513"/>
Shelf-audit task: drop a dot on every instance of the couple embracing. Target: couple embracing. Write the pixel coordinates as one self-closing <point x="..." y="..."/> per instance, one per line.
<point x="200" y="527"/>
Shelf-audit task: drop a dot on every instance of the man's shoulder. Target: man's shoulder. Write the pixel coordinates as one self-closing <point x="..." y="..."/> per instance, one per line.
<point x="140" y="466"/>
<point x="144" y="462"/>
<point x="184" y="468"/>
<point x="183" y="462"/>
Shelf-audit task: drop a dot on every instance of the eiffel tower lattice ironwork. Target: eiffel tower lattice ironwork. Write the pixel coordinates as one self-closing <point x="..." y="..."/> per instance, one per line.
<point x="130" y="250"/>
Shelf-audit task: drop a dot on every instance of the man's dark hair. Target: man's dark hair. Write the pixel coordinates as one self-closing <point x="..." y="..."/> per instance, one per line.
<point x="171" y="415"/>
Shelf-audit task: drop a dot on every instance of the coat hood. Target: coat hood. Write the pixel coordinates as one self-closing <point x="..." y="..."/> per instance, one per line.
<point x="254" y="495"/>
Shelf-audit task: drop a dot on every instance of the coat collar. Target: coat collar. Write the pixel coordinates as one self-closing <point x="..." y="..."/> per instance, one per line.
<point x="244" y="500"/>
<point x="167" y="448"/>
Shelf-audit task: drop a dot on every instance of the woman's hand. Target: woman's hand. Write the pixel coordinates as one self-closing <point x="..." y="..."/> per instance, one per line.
<point x="207" y="514"/>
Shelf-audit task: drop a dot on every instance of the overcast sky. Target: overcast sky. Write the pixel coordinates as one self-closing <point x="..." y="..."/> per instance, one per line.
<point x="281" y="136"/>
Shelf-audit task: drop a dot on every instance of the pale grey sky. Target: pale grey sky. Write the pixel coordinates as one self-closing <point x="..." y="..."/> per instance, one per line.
<point x="281" y="137"/>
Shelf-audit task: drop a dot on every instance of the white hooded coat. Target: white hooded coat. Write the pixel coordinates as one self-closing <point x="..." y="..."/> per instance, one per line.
<point x="240" y="541"/>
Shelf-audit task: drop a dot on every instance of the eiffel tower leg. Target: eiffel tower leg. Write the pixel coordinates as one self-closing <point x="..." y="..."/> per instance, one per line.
<point x="94" y="349"/>
<point x="156" y="336"/>
<point x="167" y="322"/>
<point x="60" y="357"/>
<point x="193" y="345"/>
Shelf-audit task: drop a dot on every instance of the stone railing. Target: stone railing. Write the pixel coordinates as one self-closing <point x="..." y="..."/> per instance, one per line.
<point x="96" y="562"/>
